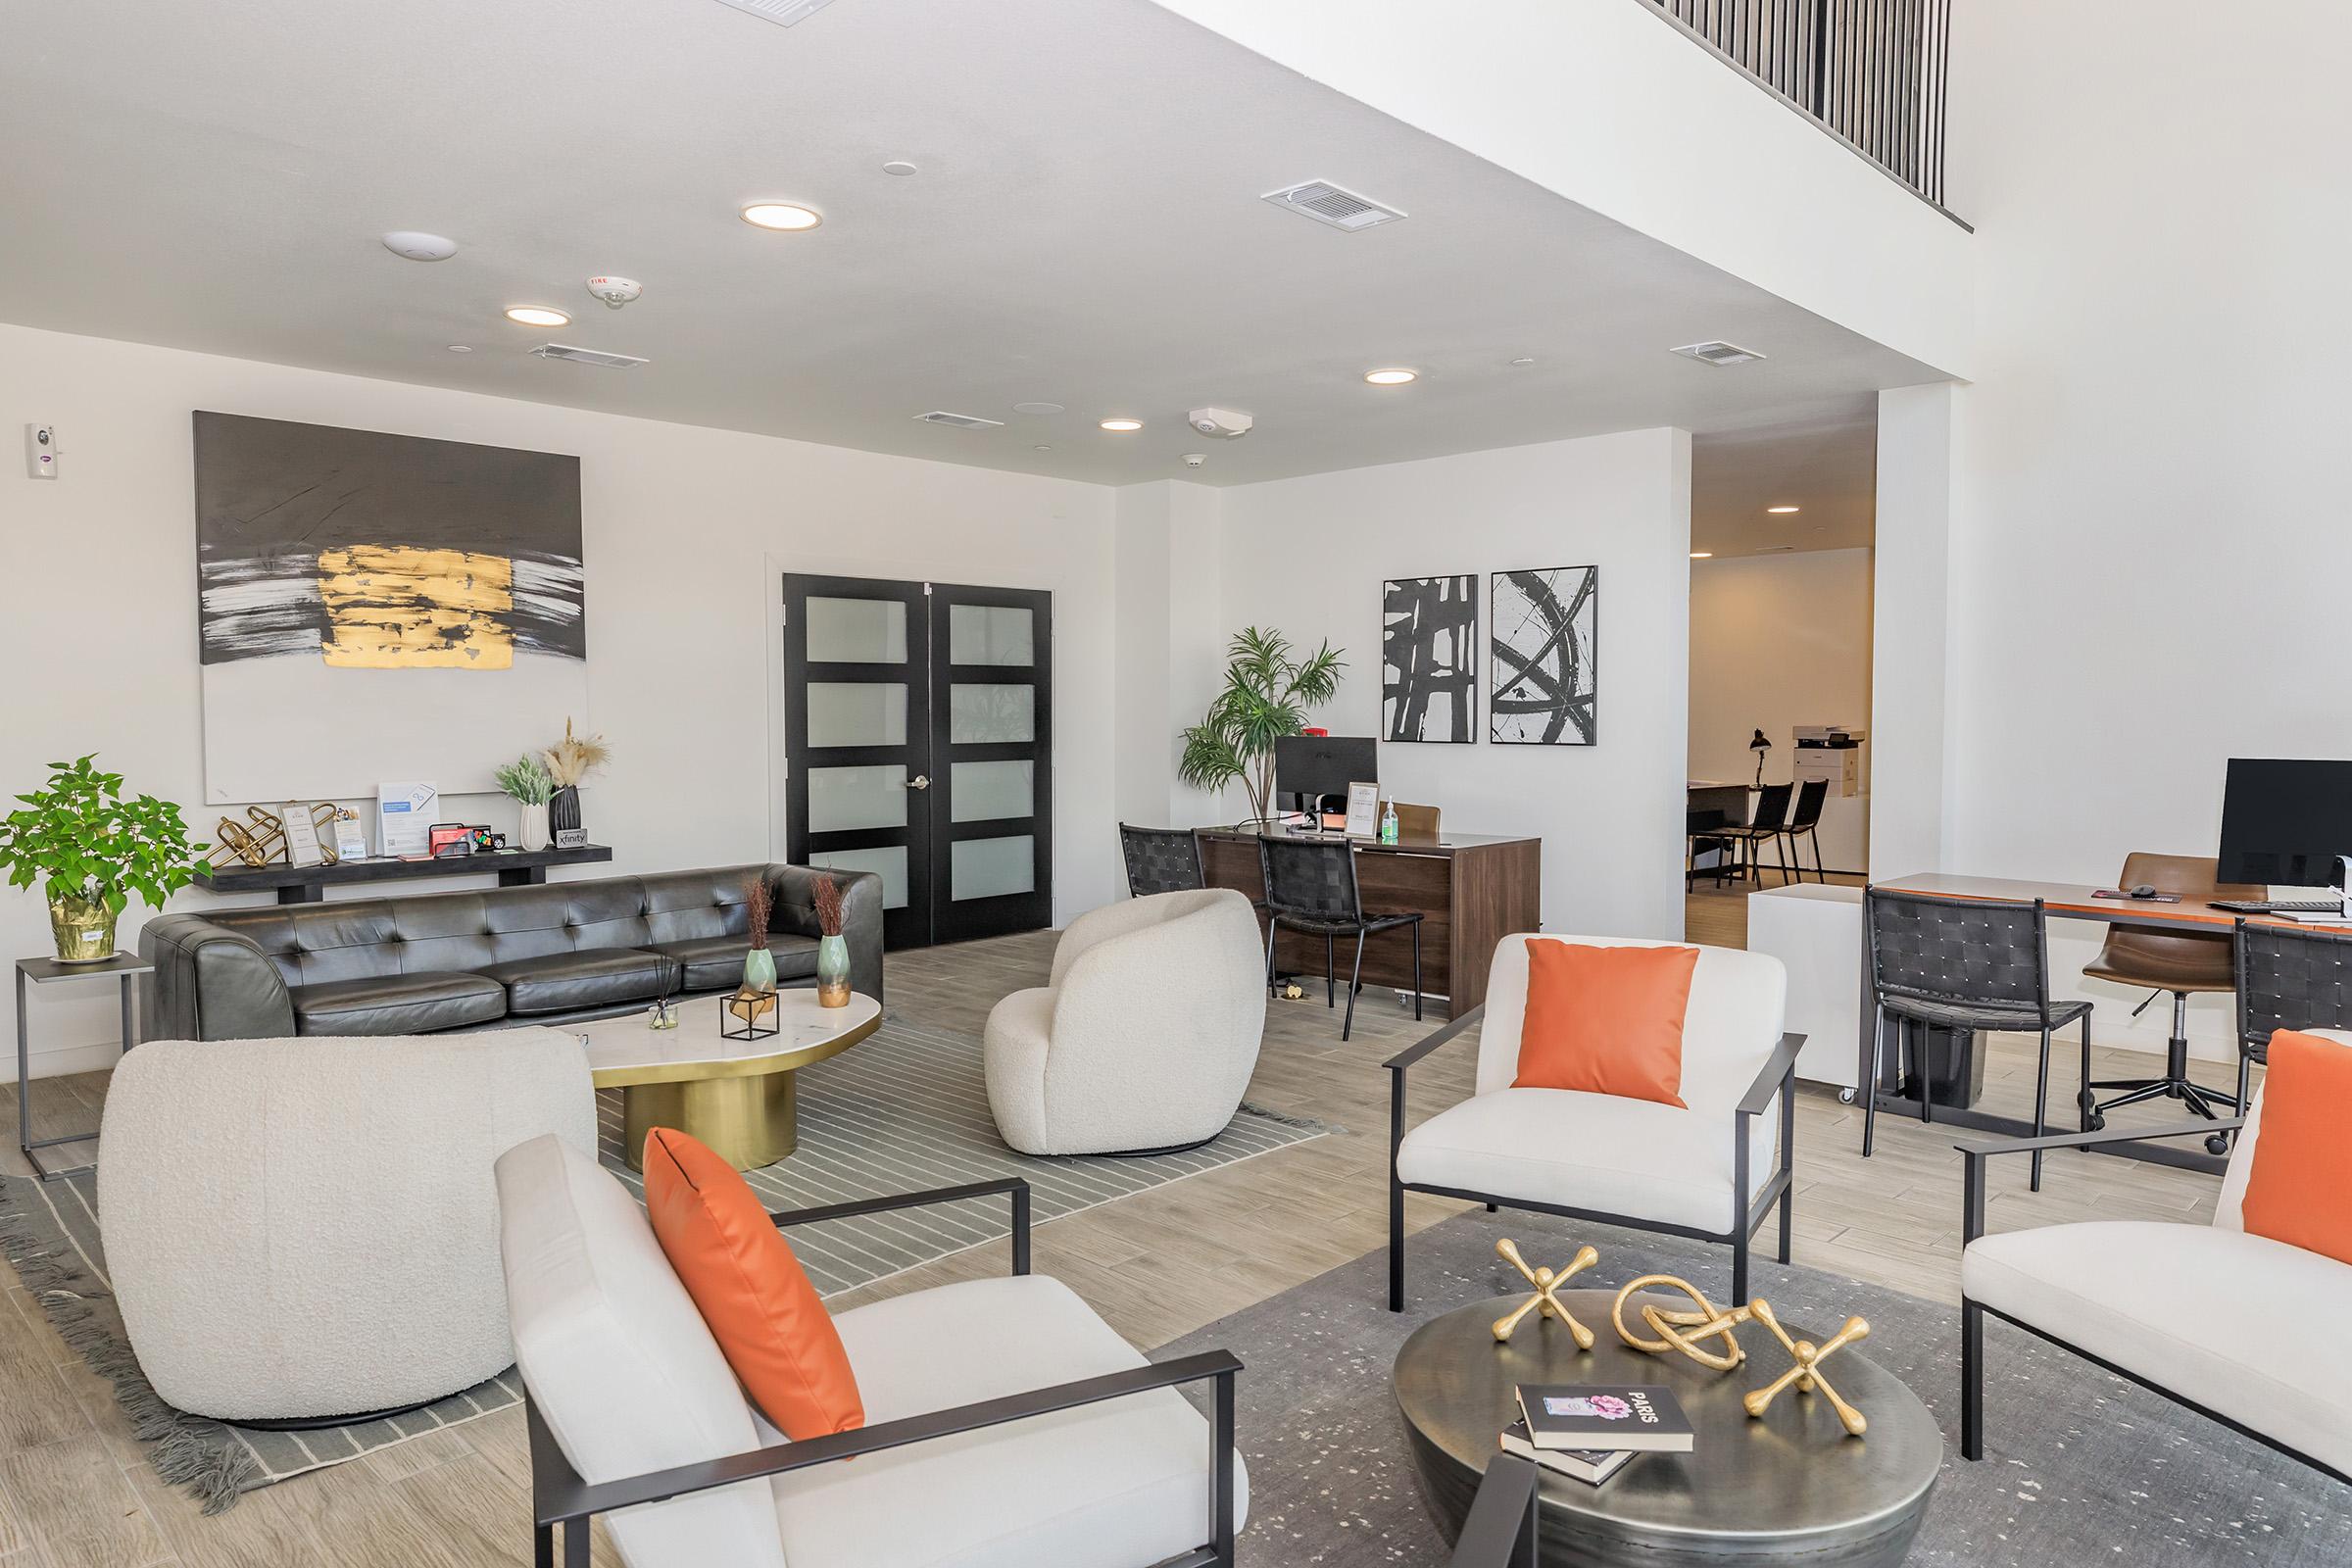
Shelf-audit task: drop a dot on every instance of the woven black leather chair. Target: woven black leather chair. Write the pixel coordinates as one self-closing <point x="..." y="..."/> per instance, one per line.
<point x="1961" y="963"/>
<point x="1310" y="887"/>
<point x="1803" y="822"/>
<point x="2286" y="979"/>
<point x="1770" y="822"/>
<point x="1160" y="859"/>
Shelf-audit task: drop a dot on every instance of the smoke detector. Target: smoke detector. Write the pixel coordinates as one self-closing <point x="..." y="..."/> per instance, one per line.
<point x="419" y="246"/>
<point x="959" y="421"/>
<point x="565" y="351"/>
<point x="1717" y="351"/>
<point x="784" y="12"/>
<point x="1329" y="204"/>
<point x="615" y="291"/>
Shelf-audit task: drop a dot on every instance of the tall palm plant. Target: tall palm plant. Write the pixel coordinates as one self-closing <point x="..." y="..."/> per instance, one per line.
<point x="1266" y="696"/>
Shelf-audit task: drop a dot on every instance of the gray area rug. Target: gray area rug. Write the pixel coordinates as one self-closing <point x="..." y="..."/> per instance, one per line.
<point x="906" y="1109"/>
<point x="2080" y="1467"/>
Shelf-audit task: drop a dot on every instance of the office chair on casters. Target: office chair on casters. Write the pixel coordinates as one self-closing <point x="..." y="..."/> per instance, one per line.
<point x="2182" y="963"/>
<point x="2287" y="978"/>
<point x="1770" y="822"/>
<point x="1311" y="887"/>
<point x="1802" y="825"/>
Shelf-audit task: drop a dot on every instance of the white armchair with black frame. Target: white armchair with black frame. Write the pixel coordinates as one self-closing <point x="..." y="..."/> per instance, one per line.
<point x="1697" y="1169"/>
<point x="1009" y="1425"/>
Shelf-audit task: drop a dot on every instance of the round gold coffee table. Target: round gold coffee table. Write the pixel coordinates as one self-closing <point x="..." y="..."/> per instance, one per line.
<point x="736" y="1095"/>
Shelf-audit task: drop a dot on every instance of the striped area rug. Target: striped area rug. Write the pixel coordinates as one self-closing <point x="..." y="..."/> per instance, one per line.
<point x="906" y="1109"/>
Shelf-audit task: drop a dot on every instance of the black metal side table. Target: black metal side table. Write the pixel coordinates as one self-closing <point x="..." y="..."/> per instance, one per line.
<point x="125" y="967"/>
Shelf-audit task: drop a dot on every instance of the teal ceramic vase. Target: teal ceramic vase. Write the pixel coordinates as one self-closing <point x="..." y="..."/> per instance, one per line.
<point x="833" y="971"/>
<point x="760" y="969"/>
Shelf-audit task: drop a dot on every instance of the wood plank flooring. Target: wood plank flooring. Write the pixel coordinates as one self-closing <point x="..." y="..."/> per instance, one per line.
<point x="74" y="1490"/>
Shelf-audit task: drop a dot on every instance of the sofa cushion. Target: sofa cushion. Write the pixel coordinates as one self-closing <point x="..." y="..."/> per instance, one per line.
<point x="397" y="1005"/>
<point x="713" y="964"/>
<point x="594" y="977"/>
<point x="619" y="1362"/>
<point x="1114" y="1485"/>
<point x="1591" y="1152"/>
<point x="2242" y="1325"/>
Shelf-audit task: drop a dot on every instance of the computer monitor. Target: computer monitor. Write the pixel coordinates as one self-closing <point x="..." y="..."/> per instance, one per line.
<point x="1324" y="766"/>
<point x="2284" y="822"/>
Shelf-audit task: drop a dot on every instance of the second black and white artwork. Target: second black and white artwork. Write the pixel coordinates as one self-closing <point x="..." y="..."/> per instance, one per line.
<point x="1429" y="659"/>
<point x="1545" y="685"/>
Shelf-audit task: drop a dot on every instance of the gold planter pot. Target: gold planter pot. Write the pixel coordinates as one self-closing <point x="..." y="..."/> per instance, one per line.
<point x="83" y="928"/>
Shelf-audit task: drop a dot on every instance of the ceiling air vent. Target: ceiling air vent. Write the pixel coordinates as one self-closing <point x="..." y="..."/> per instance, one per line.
<point x="1718" y="352"/>
<point x="959" y="421"/>
<point x="565" y="351"/>
<point x="782" y="12"/>
<point x="1326" y="203"/>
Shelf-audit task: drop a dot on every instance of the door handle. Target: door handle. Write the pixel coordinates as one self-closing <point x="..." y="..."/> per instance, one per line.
<point x="920" y="781"/>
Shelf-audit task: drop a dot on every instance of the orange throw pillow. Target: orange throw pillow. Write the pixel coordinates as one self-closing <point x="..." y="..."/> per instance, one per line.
<point x="2300" y="1189"/>
<point x="1605" y="1020"/>
<point x="751" y="1290"/>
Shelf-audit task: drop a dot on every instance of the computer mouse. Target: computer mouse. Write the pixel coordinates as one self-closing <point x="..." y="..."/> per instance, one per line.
<point x="2144" y="891"/>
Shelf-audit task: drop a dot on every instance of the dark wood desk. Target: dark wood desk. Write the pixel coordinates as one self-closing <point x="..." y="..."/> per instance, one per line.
<point x="1472" y="890"/>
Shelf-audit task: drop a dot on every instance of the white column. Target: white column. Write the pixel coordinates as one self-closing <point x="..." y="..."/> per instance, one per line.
<point x="1910" y="633"/>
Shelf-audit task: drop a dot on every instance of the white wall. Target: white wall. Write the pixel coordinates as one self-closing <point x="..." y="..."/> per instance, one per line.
<point x="1778" y="641"/>
<point x="2149" y="549"/>
<point x="1308" y="556"/>
<point x="1169" y="651"/>
<point x="1609" y="104"/>
<point x="1910" y="642"/>
<point x="685" y="530"/>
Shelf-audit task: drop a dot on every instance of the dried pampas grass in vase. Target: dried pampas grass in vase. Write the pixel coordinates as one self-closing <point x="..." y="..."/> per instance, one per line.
<point x="758" y="907"/>
<point x="569" y="761"/>
<point x="832" y="943"/>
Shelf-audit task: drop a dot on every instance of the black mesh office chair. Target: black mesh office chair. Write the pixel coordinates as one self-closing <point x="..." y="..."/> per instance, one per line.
<point x="1310" y="887"/>
<point x="2286" y="979"/>
<point x="1803" y="821"/>
<point x="1770" y="822"/>
<point x="1160" y="859"/>
<point x="1961" y="963"/>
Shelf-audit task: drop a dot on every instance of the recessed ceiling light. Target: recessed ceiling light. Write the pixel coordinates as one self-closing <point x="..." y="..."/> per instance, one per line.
<point x="1041" y="447"/>
<point x="460" y="348"/>
<point x="899" y="167"/>
<point x="788" y="216"/>
<point x="538" y="316"/>
<point x="1779" y="512"/>
<point x="1523" y="360"/>
<point x="1122" y="427"/>
<point x="1396" y="377"/>
<point x="1037" y="408"/>
<point x="1702" y="555"/>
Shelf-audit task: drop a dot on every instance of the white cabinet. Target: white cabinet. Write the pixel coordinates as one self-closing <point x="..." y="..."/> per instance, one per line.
<point x="1816" y="932"/>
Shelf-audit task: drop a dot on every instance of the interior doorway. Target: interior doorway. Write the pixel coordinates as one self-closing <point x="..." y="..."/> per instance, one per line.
<point x="919" y="745"/>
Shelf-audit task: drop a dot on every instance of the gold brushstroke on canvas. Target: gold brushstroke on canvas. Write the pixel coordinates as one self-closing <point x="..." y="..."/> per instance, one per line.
<point x="395" y="607"/>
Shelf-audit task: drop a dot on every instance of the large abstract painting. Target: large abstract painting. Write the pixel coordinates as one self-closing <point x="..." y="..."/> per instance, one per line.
<point x="1545" y="682"/>
<point x="1429" y="659"/>
<point x="374" y="606"/>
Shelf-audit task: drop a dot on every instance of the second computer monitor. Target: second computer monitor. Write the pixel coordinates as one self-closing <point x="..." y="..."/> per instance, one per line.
<point x="2286" y="821"/>
<point x="1324" y="766"/>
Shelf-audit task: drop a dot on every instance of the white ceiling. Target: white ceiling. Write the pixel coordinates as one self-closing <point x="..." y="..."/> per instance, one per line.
<point x="1085" y="229"/>
<point x="1827" y="465"/>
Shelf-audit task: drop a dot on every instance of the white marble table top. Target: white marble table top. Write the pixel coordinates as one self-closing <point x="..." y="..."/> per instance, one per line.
<point x="622" y="1051"/>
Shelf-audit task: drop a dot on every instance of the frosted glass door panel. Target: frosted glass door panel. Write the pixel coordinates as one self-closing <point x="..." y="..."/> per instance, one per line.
<point x="846" y="799"/>
<point x="979" y="716"/>
<point x="856" y="631"/>
<point x="857" y="713"/>
<point x="983" y="792"/>
<point x="991" y="634"/>
<point x="890" y="863"/>
<point x="990" y="869"/>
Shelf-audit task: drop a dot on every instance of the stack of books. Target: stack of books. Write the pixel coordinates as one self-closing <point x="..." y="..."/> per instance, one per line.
<point x="1591" y="1431"/>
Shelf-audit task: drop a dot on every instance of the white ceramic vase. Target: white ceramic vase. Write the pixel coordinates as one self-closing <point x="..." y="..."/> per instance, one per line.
<point x="533" y="834"/>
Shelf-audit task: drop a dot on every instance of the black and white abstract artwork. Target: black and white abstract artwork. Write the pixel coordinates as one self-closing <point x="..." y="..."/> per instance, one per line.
<point x="1429" y="659"/>
<point x="1544" y="681"/>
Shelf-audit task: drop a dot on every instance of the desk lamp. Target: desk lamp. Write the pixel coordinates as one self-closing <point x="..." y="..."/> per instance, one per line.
<point x="1759" y="745"/>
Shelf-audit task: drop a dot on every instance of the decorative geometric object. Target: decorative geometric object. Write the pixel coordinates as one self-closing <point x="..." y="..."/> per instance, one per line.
<point x="1543" y="687"/>
<point x="1429" y="659"/>
<point x="1546" y="1299"/>
<point x="1806" y="1376"/>
<point x="264" y="843"/>
<point x="1706" y="1323"/>
<point x="750" y="1014"/>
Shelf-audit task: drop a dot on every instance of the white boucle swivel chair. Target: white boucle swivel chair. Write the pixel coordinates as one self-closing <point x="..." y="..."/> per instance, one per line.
<point x="303" y="1231"/>
<point x="1144" y="1039"/>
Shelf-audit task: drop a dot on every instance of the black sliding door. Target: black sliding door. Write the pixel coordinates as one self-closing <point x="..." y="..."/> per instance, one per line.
<point x="918" y="745"/>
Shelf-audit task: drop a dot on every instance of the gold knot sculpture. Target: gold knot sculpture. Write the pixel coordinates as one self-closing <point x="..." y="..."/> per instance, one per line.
<point x="1806" y="1376"/>
<point x="1546" y="1300"/>
<point x="1688" y="1331"/>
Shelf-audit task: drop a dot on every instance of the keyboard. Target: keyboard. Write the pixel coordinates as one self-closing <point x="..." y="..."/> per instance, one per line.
<point x="2280" y="906"/>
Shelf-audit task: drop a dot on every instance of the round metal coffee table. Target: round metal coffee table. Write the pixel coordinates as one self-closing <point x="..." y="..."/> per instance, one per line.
<point x="1788" y="1487"/>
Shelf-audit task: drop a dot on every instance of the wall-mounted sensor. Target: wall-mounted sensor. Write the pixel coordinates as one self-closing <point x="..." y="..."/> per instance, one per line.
<point x="40" y="451"/>
<point x="615" y="291"/>
<point x="1194" y="459"/>
<point x="419" y="246"/>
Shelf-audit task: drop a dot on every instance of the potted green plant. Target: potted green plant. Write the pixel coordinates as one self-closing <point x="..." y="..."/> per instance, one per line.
<point x="531" y="785"/>
<point x="1266" y="696"/>
<point x="93" y="850"/>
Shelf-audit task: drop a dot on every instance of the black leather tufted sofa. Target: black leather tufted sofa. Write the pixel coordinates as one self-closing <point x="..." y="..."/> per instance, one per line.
<point x="483" y="959"/>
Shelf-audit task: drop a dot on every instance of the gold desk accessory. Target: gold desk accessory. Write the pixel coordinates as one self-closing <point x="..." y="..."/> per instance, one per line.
<point x="263" y="844"/>
<point x="1806" y="1376"/>
<point x="1708" y="1322"/>
<point x="1546" y="1299"/>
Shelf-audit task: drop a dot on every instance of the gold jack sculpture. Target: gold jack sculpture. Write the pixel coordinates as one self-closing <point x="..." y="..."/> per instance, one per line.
<point x="1806" y="1376"/>
<point x="1546" y="1299"/>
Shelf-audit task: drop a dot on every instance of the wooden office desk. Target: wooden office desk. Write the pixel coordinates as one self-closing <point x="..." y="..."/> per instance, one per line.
<point x="1471" y="890"/>
<point x="2063" y="901"/>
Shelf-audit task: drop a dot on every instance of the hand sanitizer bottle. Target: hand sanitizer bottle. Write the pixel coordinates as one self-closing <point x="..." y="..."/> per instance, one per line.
<point x="1387" y="822"/>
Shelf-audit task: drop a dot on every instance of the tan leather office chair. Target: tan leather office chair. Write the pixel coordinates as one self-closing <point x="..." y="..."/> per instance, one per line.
<point x="1417" y="823"/>
<point x="2162" y="960"/>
